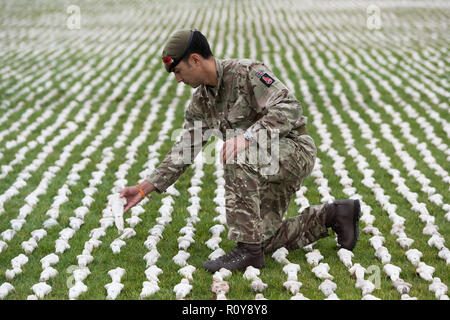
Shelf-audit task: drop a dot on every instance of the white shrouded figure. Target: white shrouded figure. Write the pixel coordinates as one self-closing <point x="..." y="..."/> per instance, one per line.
<point x="77" y="289"/>
<point x="291" y="270"/>
<point x="216" y="254"/>
<point x="251" y="273"/>
<point x="182" y="289"/>
<point x="5" y="289"/>
<point x="217" y="229"/>
<point x="48" y="273"/>
<point x="405" y="242"/>
<point x="149" y="288"/>
<point x="438" y="287"/>
<point x="346" y="257"/>
<point x="222" y="274"/>
<point x="151" y="257"/>
<point x="116" y="245"/>
<point x="116" y="274"/>
<point x="292" y="286"/>
<point x="436" y="241"/>
<point x="358" y="271"/>
<point x="117" y="204"/>
<point x="213" y="243"/>
<point x="401" y="286"/>
<point x="392" y="271"/>
<point x="425" y="271"/>
<point x="41" y="289"/>
<point x="81" y="273"/>
<point x="414" y="256"/>
<point x="280" y="255"/>
<point x="258" y="285"/>
<point x="321" y="271"/>
<point x="152" y="273"/>
<point x="84" y="260"/>
<point x="383" y="255"/>
<point x="299" y="296"/>
<point x="181" y="257"/>
<point x="220" y="288"/>
<point x="113" y="289"/>
<point x="366" y="286"/>
<point x="327" y="287"/>
<point x="187" y="272"/>
<point x="377" y="241"/>
<point x="314" y="257"/>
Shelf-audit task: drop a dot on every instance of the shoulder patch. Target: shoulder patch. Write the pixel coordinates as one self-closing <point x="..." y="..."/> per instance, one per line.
<point x="266" y="79"/>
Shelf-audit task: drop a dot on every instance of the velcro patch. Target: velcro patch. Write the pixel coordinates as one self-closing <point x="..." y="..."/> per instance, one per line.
<point x="266" y="79"/>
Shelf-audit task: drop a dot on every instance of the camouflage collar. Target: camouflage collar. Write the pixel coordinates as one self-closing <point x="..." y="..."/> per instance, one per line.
<point x="219" y="72"/>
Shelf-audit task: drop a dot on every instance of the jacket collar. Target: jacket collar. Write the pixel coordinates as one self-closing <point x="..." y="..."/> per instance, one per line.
<point x="219" y="72"/>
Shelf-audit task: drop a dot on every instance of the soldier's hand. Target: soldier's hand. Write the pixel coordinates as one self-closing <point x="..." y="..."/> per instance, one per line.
<point x="232" y="147"/>
<point x="132" y="195"/>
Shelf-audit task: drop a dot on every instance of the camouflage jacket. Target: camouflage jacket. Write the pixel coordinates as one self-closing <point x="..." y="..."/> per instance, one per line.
<point x="248" y="97"/>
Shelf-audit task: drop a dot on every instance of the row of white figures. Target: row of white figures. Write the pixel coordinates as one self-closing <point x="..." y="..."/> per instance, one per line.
<point x="410" y="164"/>
<point x="35" y="165"/>
<point x="219" y="200"/>
<point x="32" y="198"/>
<point x="405" y="127"/>
<point x="152" y="272"/>
<point x="113" y="213"/>
<point x="75" y="222"/>
<point x="369" y="61"/>
<point x="362" y="164"/>
<point x="381" y="252"/>
<point x="61" y="244"/>
<point x="408" y="89"/>
<point x="219" y="286"/>
<point x="183" y="288"/>
<point x="151" y="286"/>
<point x="436" y="239"/>
<point x="397" y="228"/>
<point x="21" y="153"/>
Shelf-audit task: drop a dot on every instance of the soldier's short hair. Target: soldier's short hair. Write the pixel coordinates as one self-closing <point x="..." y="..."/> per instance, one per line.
<point x="199" y="45"/>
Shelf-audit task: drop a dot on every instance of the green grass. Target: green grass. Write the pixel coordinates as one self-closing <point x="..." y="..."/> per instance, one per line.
<point x="314" y="30"/>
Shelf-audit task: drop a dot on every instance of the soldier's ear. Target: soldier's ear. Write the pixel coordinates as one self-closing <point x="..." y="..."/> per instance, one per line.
<point x="195" y="58"/>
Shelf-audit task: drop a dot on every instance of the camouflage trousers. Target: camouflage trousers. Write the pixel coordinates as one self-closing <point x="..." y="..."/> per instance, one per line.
<point x="256" y="203"/>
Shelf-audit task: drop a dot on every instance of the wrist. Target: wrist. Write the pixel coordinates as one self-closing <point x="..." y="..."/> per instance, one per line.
<point x="147" y="187"/>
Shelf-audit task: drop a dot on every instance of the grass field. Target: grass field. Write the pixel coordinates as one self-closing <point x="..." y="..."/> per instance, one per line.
<point x="86" y="107"/>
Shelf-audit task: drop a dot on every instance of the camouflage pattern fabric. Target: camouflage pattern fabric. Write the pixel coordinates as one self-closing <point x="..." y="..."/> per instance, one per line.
<point x="249" y="97"/>
<point x="241" y="101"/>
<point x="256" y="203"/>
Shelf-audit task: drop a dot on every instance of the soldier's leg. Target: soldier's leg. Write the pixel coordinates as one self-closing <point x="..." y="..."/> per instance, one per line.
<point x="299" y="231"/>
<point x="243" y="198"/>
<point x="297" y="160"/>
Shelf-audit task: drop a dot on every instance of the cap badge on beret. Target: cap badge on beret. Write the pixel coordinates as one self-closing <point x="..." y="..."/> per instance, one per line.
<point x="167" y="60"/>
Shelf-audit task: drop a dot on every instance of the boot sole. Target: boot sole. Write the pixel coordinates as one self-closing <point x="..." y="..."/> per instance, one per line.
<point x="356" y="213"/>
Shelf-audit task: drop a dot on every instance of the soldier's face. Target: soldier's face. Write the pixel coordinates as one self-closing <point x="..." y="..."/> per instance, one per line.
<point x="188" y="73"/>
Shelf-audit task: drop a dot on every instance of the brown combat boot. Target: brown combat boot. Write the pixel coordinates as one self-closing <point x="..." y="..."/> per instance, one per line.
<point x="242" y="256"/>
<point x="343" y="216"/>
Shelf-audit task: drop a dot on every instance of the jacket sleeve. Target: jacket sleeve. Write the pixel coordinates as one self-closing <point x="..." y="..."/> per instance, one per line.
<point x="279" y="107"/>
<point x="186" y="147"/>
